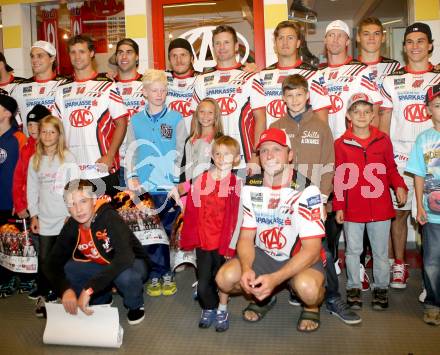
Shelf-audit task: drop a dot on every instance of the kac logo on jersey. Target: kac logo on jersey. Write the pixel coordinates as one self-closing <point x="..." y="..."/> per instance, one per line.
<point x="80" y="118"/>
<point x="337" y="103"/>
<point x="3" y="155"/>
<point x="273" y="238"/>
<point x="276" y="108"/>
<point x="416" y="113"/>
<point x="181" y="106"/>
<point x="227" y="105"/>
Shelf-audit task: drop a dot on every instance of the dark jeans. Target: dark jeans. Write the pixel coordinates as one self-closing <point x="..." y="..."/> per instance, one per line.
<point x="431" y="263"/>
<point x="333" y="232"/>
<point x="159" y="255"/>
<point x="130" y="282"/>
<point x="331" y="278"/>
<point x="208" y="264"/>
<point x="45" y="245"/>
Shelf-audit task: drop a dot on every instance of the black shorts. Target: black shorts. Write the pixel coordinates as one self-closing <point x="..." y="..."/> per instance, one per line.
<point x="265" y="264"/>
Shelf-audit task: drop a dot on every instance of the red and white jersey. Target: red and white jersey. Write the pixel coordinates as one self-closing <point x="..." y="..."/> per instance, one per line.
<point x="87" y="109"/>
<point x="8" y="87"/>
<point x="404" y="91"/>
<point x="131" y="93"/>
<point x="281" y="217"/>
<point x="272" y="79"/>
<point x="238" y="93"/>
<point x="134" y="101"/>
<point x="31" y="92"/>
<point x="180" y="92"/>
<point x="342" y="82"/>
<point x="383" y="67"/>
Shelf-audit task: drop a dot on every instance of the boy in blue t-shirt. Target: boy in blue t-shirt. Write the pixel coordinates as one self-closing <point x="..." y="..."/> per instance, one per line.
<point x="150" y="161"/>
<point x="424" y="163"/>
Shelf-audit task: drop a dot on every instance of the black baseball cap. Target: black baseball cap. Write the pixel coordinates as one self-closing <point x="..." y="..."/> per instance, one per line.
<point x="37" y="113"/>
<point x="3" y="59"/>
<point x="180" y="43"/>
<point x="9" y="104"/>
<point x="419" y="27"/>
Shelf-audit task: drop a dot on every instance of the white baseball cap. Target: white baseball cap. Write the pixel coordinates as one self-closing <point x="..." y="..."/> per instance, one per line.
<point x="338" y="25"/>
<point x="45" y="46"/>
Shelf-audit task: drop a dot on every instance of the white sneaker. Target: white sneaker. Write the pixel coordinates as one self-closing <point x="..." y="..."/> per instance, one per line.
<point x="337" y="267"/>
<point x="422" y="296"/>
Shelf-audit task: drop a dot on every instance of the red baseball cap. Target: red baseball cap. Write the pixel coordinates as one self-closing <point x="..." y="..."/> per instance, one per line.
<point x="359" y="97"/>
<point x="274" y="135"/>
<point x="432" y="93"/>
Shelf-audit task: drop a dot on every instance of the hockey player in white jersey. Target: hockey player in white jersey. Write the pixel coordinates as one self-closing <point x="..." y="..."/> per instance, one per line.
<point x="240" y="95"/>
<point x="287" y="36"/>
<point x="41" y="87"/>
<point x="94" y="117"/>
<point x="403" y="117"/>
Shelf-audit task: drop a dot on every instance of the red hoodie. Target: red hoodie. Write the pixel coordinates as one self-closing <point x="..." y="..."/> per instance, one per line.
<point x="20" y="175"/>
<point x="363" y="193"/>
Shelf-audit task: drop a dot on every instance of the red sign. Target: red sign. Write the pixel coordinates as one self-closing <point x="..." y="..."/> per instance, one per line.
<point x="81" y="118"/>
<point x="181" y="106"/>
<point x="273" y="238"/>
<point x="416" y="113"/>
<point x="227" y="105"/>
<point x="276" y="108"/>
<point x="337" y="103"/>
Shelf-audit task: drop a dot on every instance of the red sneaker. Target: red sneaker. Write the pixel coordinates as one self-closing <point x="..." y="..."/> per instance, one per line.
<point x="400" y="274"/>
<point x="365" y="280"/>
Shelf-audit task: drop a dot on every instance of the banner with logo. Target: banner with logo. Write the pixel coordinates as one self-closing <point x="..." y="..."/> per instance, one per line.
<point x="141" y="218"/>
<point x="49" y="16"/>
<point x="179" y="257"/>
<point x="17" y="252"/>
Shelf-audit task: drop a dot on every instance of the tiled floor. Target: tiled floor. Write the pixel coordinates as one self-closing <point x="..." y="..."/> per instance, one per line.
<point x="170" y="327"/>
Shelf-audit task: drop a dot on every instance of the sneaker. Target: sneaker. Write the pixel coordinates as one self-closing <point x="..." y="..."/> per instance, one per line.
<point x="294" y="300"/>
<point x="33" y="295"/>
<point x="207" y="318"/>
<point x="40" y="308"/>
<point x="354" y="300"/>
<point x="135" y="316"/>
<point x="195" y="295"/>
<point x="340" y="309"/>
<point x="51" y="297"/>
<point x="169" y="286"/>
<point x="26" y="286"/>
<point x="400" y="275"/>
<point x="222" y="321"/>
<point x="380" y="299"/>
<point x="422" y="296"/>
<point x="154" y="288"/>
<point x="365" y="280"/>
<point x="9" y="288"/>
<point x="338" y="267"/>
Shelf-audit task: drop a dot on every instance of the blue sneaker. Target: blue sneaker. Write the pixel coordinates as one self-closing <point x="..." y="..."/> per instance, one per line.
<point x="222" y="321"/>
<point x="340" y="309"/>
<point x="207" y="318"/>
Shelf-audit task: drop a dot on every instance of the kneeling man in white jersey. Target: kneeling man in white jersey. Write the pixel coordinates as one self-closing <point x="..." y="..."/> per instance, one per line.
<point x="280" y="237"/>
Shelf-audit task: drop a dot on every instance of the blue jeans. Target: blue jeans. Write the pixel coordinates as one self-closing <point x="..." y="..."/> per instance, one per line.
<point x="130" y="282"/>
<point x="431" y="263"/>
<point x="378" y="233"/>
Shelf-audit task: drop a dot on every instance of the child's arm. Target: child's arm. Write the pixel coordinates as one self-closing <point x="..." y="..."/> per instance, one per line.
<point x="19" y="188"/>
<point x="419" y="183"/>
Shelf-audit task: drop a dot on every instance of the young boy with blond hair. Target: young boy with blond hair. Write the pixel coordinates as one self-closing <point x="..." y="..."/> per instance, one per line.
<point x="150" y="161"/>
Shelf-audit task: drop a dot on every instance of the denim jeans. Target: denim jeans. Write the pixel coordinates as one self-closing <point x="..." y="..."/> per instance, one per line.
<point x="431" y="263"/>
<point x="378" y="233"/>
<point x="130" y="282"/>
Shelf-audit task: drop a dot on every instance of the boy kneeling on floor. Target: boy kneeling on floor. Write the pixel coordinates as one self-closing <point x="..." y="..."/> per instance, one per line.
<point x="96" y="250"/>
